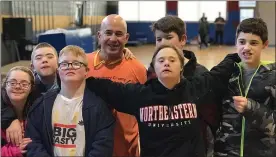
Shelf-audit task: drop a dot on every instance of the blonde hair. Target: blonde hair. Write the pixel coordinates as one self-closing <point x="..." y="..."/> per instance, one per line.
<point x="42" y="45"/>
<point x="76" y="51"/>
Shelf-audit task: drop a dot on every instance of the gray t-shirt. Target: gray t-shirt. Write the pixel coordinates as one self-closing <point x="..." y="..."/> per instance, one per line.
<point x="247" y="75"/>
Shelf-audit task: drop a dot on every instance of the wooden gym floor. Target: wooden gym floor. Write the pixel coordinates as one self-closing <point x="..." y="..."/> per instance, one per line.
<point x="208" y="57"/>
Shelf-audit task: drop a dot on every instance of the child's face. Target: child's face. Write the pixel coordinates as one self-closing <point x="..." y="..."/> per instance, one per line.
<point x="45" y="62"/>
<point x="167" y="64"/>
<point x="18" y="86"/>
<point x="74" y="72"/>
<point x="249" y="47"/>
<point x="172" y="38"/>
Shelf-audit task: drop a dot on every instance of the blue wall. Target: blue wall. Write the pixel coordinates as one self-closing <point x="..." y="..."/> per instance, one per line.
<point x="233" y="16"/>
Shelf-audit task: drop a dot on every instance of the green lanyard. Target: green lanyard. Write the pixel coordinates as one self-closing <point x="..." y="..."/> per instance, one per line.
<point x="243" y="118"/>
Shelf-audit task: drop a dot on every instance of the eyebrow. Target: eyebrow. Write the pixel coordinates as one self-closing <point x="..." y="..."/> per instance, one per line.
<point x="164" y="35"/>
<point x="46" y="54"/>
<point x="13" y="79"/>
<point x="249" y="40"/>
<point x="66" y="61"/>
<point x="170" y="57"/>
<point x="113" y="31"/>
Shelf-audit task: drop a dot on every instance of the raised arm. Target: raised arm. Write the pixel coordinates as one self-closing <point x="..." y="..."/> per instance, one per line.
<point x="217" y="79"/>
<point x="125" y="98"/>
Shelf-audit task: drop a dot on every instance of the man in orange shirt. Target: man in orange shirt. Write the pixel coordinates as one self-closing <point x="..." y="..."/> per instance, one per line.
<point x="109" y="62"/>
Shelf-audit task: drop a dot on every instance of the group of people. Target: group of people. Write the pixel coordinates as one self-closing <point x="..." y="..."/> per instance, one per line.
<point x="203" y="31"/>
<point x="107" y="103"/>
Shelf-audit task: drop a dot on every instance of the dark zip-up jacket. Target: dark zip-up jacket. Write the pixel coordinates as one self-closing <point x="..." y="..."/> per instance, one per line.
<point x="7" y="113"/>
<point x="260" y="117"/>
<point x="167" y="118"/>
<point x="98" y="126"/>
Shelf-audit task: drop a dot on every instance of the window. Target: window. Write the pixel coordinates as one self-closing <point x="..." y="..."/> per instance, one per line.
<point x="129" y="10"/>
<point x="247" y="9"/>
<point x="246" y="13"/>
<point x="142" y="10"/>
<point x="191" y="11"/>
<point x="247" y="4"/>
<point x="188" y="11"/>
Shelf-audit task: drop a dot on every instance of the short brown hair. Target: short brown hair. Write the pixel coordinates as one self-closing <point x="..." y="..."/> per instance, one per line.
<point x="42" y="45"/>
<point x="169" y="24"/>
<point x="30" y="98"/>
<point x="177" y="50"/>
<point x="255" y="26"/>
<point x="76" y="51"/>
<point x="20" y="68"/>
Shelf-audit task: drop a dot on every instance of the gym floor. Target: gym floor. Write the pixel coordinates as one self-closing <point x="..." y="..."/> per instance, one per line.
<point x="208" y="57"/>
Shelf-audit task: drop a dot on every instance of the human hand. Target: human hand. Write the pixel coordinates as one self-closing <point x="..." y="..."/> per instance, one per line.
<point x="128" y="54"/>
<point x="14" y="132"/>
<point x="240" y="103"/>
<point x="23" y="145"/>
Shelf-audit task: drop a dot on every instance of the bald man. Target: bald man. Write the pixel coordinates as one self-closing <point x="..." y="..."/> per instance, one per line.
<point x="109" y="62"/>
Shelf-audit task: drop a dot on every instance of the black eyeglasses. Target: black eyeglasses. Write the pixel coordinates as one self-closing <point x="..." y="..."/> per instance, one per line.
<point x="75" y="65"/>
<point x="23" y="85"/>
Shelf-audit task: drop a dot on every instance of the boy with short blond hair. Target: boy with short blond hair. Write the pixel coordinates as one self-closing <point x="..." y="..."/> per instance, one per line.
<point x="72" y="120"/>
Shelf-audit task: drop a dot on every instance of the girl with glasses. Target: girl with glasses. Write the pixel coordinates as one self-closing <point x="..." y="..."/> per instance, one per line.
<point x="15" y="101"/>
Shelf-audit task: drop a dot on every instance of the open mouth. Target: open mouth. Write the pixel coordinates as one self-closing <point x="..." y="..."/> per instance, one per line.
<point x="70" y="73"/>
<point x="45" y="67"/>
<point x="17" y="93"/>
<point x="114" y="46"/>
<point x="247" y="54"/>
<point x="166" y="70"/>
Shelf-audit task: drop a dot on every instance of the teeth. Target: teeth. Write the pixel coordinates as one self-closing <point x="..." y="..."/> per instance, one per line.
<point x="114" y="45"/>
<point x="247" y="54"/>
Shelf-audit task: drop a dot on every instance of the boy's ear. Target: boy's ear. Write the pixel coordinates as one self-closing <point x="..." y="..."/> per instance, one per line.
<point x="266" y="44"/>
<point x="32" y="67"/>
<point x="183" y="40"/>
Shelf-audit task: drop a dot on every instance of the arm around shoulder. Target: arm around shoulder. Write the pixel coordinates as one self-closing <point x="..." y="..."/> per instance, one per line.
<point x="218" y="77"/>
<point x="123" y="97"/>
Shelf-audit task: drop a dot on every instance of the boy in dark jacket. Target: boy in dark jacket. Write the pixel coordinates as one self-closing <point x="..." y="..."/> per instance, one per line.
<point x="249" y="108"/>
<point x="44" y="65"/>
<point x="71" y="121"/>
<point x="171" y="29"/>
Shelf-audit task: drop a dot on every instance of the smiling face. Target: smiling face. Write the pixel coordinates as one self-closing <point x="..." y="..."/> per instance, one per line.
<point x="249" y="47"/>
<point x="18" y="86"/>
<point x="113" y="35"/>
<point x="251" y="39"/>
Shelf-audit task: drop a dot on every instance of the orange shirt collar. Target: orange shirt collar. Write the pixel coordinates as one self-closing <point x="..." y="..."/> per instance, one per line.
<point x="97" y="62"/>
